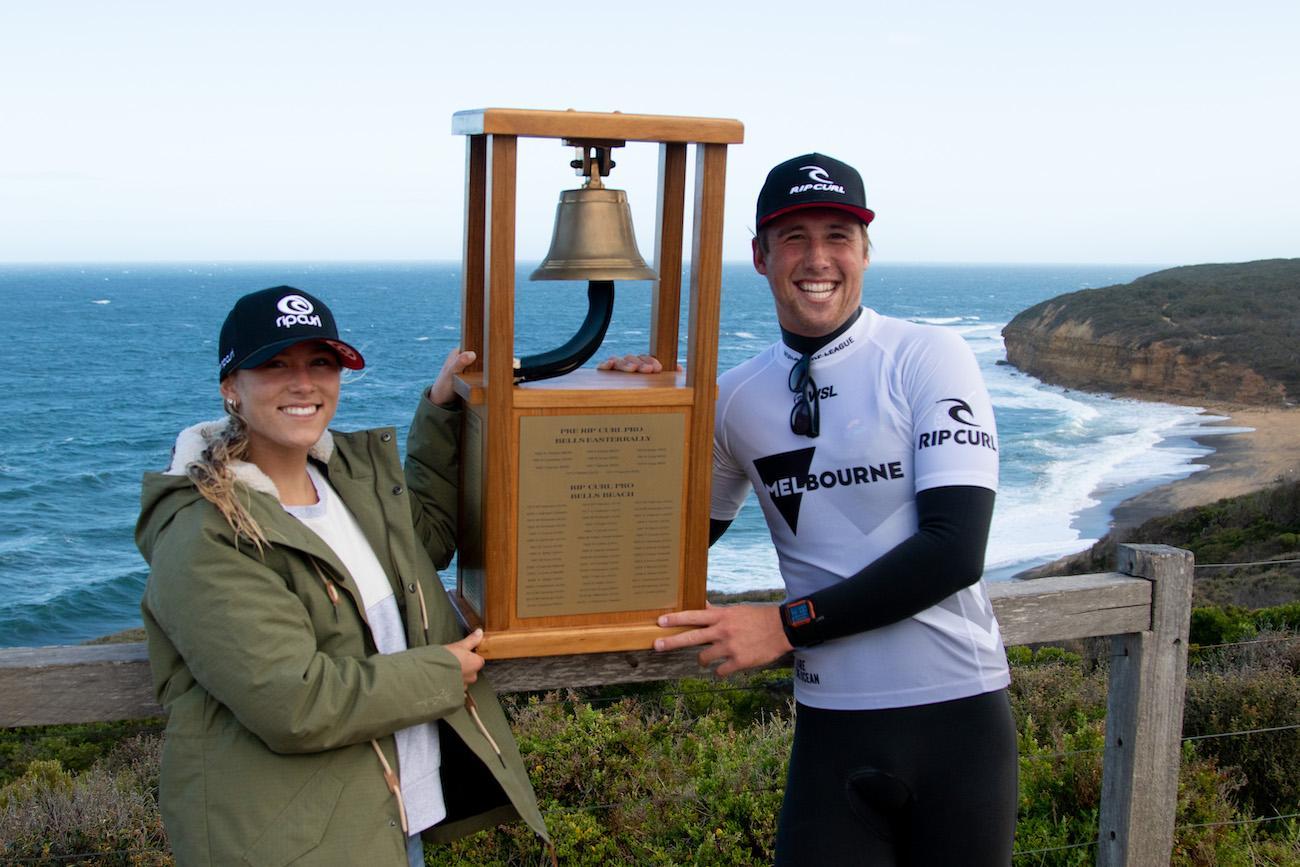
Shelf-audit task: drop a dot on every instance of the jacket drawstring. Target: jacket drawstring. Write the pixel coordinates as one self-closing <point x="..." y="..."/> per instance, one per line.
<point x="424" y="611"/>
<point x="330" y="590"/>
<point x="394" y="785"/>
<point x="472" y="707"/>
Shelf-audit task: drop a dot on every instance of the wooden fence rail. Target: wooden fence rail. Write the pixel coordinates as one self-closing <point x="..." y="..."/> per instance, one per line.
<point x="1145" y="607"/>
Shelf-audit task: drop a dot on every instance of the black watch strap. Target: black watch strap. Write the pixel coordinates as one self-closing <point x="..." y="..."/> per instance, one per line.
<point x="801" y="623"/>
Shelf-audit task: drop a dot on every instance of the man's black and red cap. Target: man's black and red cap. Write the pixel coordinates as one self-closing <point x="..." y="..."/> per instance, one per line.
<point x="812" y="181"/>
<point x="263" y="324"/>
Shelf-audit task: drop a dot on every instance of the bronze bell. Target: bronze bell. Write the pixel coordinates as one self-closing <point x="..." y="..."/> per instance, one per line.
<point x="593" y="239"/>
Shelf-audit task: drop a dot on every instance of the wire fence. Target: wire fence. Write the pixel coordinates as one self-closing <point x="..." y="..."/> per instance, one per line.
<point x="1284" y="640"/>
<point x="1236" y="565"/>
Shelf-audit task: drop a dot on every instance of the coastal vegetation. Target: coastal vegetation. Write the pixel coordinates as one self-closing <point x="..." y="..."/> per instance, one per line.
<point x="1219" y="331"/>
<point x="691" y="771"/>
<point x="1256" y="529"/>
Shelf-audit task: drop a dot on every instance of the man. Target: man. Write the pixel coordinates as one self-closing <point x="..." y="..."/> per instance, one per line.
<point x="872" y="445"/>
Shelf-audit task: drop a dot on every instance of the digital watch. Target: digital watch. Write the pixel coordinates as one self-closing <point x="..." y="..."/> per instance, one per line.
<point x="801" y="623"/>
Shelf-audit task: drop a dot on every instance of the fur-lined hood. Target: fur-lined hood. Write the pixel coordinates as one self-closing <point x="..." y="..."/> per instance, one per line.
<point x="194" y="439"/>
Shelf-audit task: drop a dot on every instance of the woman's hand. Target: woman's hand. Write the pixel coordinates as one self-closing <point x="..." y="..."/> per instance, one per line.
<point x="632" y="363"/>
<point x="470" y="662"/>
<point x="443" y="392"/>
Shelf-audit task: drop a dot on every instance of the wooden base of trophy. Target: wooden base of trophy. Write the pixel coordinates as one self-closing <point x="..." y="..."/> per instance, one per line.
<point x="584" y="508"/>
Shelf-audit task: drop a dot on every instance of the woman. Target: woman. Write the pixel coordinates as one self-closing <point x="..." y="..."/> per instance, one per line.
<point x="322" y="705"/>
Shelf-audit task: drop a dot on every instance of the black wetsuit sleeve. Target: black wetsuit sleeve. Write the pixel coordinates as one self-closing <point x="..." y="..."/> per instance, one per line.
<point x="944" y="555"/>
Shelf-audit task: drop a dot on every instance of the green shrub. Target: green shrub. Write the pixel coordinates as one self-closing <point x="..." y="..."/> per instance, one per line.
<point x="1278" y="617"/>
<point x="1203" y="836"/>
<point x="1246" y="700"/>
<point x="106" y="815"/>
<point x="668" y="779"/>
<point x="75" y="747"/>
<point x="1214" y="625"/>
<point x="1052" y="698"/>
<point x="1025" y="657"/>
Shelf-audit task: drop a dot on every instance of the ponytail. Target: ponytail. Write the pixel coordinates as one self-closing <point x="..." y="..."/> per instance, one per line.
<point x="215" y="480"/>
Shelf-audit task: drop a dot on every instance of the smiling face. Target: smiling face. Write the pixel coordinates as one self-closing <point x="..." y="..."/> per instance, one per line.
<point x="287" y="402"/>
<point x="814" y="262"/>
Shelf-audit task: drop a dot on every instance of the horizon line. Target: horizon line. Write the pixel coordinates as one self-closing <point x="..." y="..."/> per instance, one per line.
<point x="72" y="263"/>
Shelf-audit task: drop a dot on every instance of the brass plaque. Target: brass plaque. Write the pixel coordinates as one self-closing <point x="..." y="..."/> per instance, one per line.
<point x="600" y="512"/>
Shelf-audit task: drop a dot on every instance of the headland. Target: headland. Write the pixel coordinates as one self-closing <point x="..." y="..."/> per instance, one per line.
<point x="1220" y="337"/>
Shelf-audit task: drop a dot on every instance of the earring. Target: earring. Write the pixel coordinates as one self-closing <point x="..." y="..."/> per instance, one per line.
<point x="232" y="407"/>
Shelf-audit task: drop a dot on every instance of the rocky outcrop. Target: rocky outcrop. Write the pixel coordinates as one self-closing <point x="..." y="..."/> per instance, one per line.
<point x="1203" y="332"/>
<point x="1065" y="351"/>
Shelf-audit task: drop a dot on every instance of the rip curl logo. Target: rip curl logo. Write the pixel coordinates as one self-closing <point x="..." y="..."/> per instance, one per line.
<point x="816" y="174"/>
<point x="818" y="180"/>
<point x="297" y="310"/>
<point x="960" y="412"/>
<point x="786" y="478"/>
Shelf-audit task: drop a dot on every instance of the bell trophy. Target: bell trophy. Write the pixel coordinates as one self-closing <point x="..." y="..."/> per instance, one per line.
<point x="585" y="494"/>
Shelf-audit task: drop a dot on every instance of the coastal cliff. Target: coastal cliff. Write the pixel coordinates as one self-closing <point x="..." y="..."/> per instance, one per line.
<point x="1200" y="332"/>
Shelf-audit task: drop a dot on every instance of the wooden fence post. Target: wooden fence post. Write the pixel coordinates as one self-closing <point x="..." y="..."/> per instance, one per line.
<point x="1144" y="715"/>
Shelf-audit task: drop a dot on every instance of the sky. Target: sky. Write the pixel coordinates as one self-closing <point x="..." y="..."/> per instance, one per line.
<point x="1106" y="132"/>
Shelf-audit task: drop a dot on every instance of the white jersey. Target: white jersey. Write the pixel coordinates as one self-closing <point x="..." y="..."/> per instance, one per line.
<point x="903" y="408"/>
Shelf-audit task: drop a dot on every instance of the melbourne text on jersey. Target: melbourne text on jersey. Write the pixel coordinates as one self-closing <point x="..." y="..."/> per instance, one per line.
<point x="859" y="475"/>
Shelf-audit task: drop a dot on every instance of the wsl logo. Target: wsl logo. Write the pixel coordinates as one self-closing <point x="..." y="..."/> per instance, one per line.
<point x="786" y="478"/>
<point x="297" y="310"/>
<point x="818" y="180"/>
<point x="969" y="434"/>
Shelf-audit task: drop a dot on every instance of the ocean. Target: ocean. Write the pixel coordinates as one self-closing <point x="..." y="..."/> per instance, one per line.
<point x="106" y="363"/>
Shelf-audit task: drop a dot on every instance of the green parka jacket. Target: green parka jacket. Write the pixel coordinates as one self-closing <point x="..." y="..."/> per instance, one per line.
<point x="272" y="683"/>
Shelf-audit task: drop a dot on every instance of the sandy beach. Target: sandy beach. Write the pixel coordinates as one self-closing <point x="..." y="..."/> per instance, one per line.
<point x="1240" y="463"/>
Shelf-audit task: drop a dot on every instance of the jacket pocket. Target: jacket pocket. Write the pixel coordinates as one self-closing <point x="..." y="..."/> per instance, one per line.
<point x="300" y="826"/>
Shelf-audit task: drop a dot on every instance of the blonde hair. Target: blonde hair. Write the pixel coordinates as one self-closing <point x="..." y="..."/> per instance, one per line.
<point x="215" y="480"/>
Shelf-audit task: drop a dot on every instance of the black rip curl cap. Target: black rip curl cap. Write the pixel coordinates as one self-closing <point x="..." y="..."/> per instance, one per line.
<point x="263" y="324"/>
<point x="812" y="181"/>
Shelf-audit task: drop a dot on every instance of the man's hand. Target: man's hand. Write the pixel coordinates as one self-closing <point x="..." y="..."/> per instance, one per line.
<point x="470" y="662"/>
<point x="632" y="363"/>
<point x="745" y="636"/>
<point x="442" y="392"/>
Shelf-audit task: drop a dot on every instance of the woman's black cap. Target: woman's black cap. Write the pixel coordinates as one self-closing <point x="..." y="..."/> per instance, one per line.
<point x="812" y="181"/>
<point x="263" y="324"/>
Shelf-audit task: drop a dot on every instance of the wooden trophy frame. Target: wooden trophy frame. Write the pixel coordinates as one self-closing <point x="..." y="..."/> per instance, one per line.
<point x="593" y="467"/>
